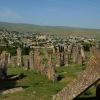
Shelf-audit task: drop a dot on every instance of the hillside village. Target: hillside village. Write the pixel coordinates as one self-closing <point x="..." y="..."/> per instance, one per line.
<point x="29" y="39"/>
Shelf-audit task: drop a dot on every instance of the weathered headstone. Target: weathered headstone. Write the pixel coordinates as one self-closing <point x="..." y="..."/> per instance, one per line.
<point x="57" y="54"/>
<point x="66" y="60"/>
<point x="82" y="55"/>
<point x="9" y="59"/>
<point x="37" y="59"/>
<point x="26" y="62"/>
<point x="61" y="50"/>
<point x="13" y="61"/>
<point x="75" y="54"/>
<point x="19" y="57"/>
<point x="79" y="58"/>
<point x="3" y="65"/>
<point x="51" y="70"/>
<point x="31" y="60"/>
<point x="70" y="47"/>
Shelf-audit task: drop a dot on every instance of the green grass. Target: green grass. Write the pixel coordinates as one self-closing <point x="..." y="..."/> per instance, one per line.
<point x="70" y="71"/>
<point x="36" y="86"/>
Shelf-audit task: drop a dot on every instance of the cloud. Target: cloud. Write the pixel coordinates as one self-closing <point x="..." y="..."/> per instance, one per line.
<point x="8" y="13"/>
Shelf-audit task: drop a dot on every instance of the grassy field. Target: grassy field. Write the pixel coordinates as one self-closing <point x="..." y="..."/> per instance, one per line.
<point x="36" y="86"/>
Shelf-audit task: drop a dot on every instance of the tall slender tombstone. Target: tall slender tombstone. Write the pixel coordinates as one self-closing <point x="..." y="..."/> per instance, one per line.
<point x="51" y="70"/>
<point x="76" y="54"/>
<point x="61" y="50"/>
<point x="13" y="61"/>
<point x="66" y="56"/>
<point x="83" y="55"/>
<point x="57" y="57"/>
<point x="19" y="57"/>
<point x="26" y="62"/>
<point x="31" y="60"/>
<point x="79" y="56"/>
<point x="70" y="52"/>
<point x="9" y="59"/>
<point x="37" y="59"/>
<point x="3" y="65"/>
<point x="38" y="63"/>
<point x="42" y="68"/>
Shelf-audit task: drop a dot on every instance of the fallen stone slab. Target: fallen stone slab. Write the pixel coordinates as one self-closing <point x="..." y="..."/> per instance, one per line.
<point x="13" y="90"/>
<point x="14" y="77"/>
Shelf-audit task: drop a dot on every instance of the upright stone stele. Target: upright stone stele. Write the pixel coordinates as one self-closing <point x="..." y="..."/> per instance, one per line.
<point x="19" y="58"/>
<point x="82" y="55"/>
<point x="37" y="59"/>
<point x="51" y="70"/>
<point x="9" y="59"/>
<point x="26" y="62"/>
<point x="3" y="65"/>
<point x="31" y="60"/>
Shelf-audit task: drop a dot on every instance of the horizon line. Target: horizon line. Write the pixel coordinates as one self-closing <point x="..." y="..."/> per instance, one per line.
<point x="50" y="25"/>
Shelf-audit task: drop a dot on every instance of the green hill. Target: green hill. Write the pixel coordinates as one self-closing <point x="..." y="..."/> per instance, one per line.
<point x="50" y="29"/>
<point x="32" y="27"/>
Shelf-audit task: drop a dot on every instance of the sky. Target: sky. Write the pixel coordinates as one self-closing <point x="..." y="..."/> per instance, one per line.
<point x="74" y="13"/>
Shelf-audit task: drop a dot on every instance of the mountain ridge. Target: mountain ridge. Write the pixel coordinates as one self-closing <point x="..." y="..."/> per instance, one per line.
<point x="36" y="28"/>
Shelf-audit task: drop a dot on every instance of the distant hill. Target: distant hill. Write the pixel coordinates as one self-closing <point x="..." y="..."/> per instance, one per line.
<point x="52" y="30"/>
<point x="32" y="27"/>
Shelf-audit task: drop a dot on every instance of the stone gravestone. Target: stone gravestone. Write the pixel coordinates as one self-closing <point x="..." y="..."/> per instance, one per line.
<point x="79" y="56"/>
<point x="57" y="54"/>
<point x="66" y="61"/>
<point x="70" y="47"/>
<point x="9" y="59"/>
<point x="82" y="55"/>
<point x="31" y="60"/>
<point x="37" y="59"/>
<point x="42" y="68"/>
<point x="26" y="62"/>
<point x="61" y="50"/>
<point x="3" y="65"/>
<point x="13" y="61"/>
<point x="75" y="54"/>
<point x="19" y="58"/>
<point x="51" y="70"/>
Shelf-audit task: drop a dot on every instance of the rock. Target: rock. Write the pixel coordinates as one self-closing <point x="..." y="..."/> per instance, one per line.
<point x="13" y="90"/>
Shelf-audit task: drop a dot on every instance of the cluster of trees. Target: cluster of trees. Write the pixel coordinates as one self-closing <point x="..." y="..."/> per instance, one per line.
<point x="12" y="50"/>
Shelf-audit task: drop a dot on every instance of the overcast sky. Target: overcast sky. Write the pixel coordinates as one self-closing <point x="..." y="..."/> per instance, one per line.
<point x="77" y="13"/>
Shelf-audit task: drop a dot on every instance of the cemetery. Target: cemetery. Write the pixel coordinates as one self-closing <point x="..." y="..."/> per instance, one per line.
<point x="47" y="63"/>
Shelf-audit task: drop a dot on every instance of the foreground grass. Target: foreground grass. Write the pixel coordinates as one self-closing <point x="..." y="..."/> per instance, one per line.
<point x="36" y="86"/>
